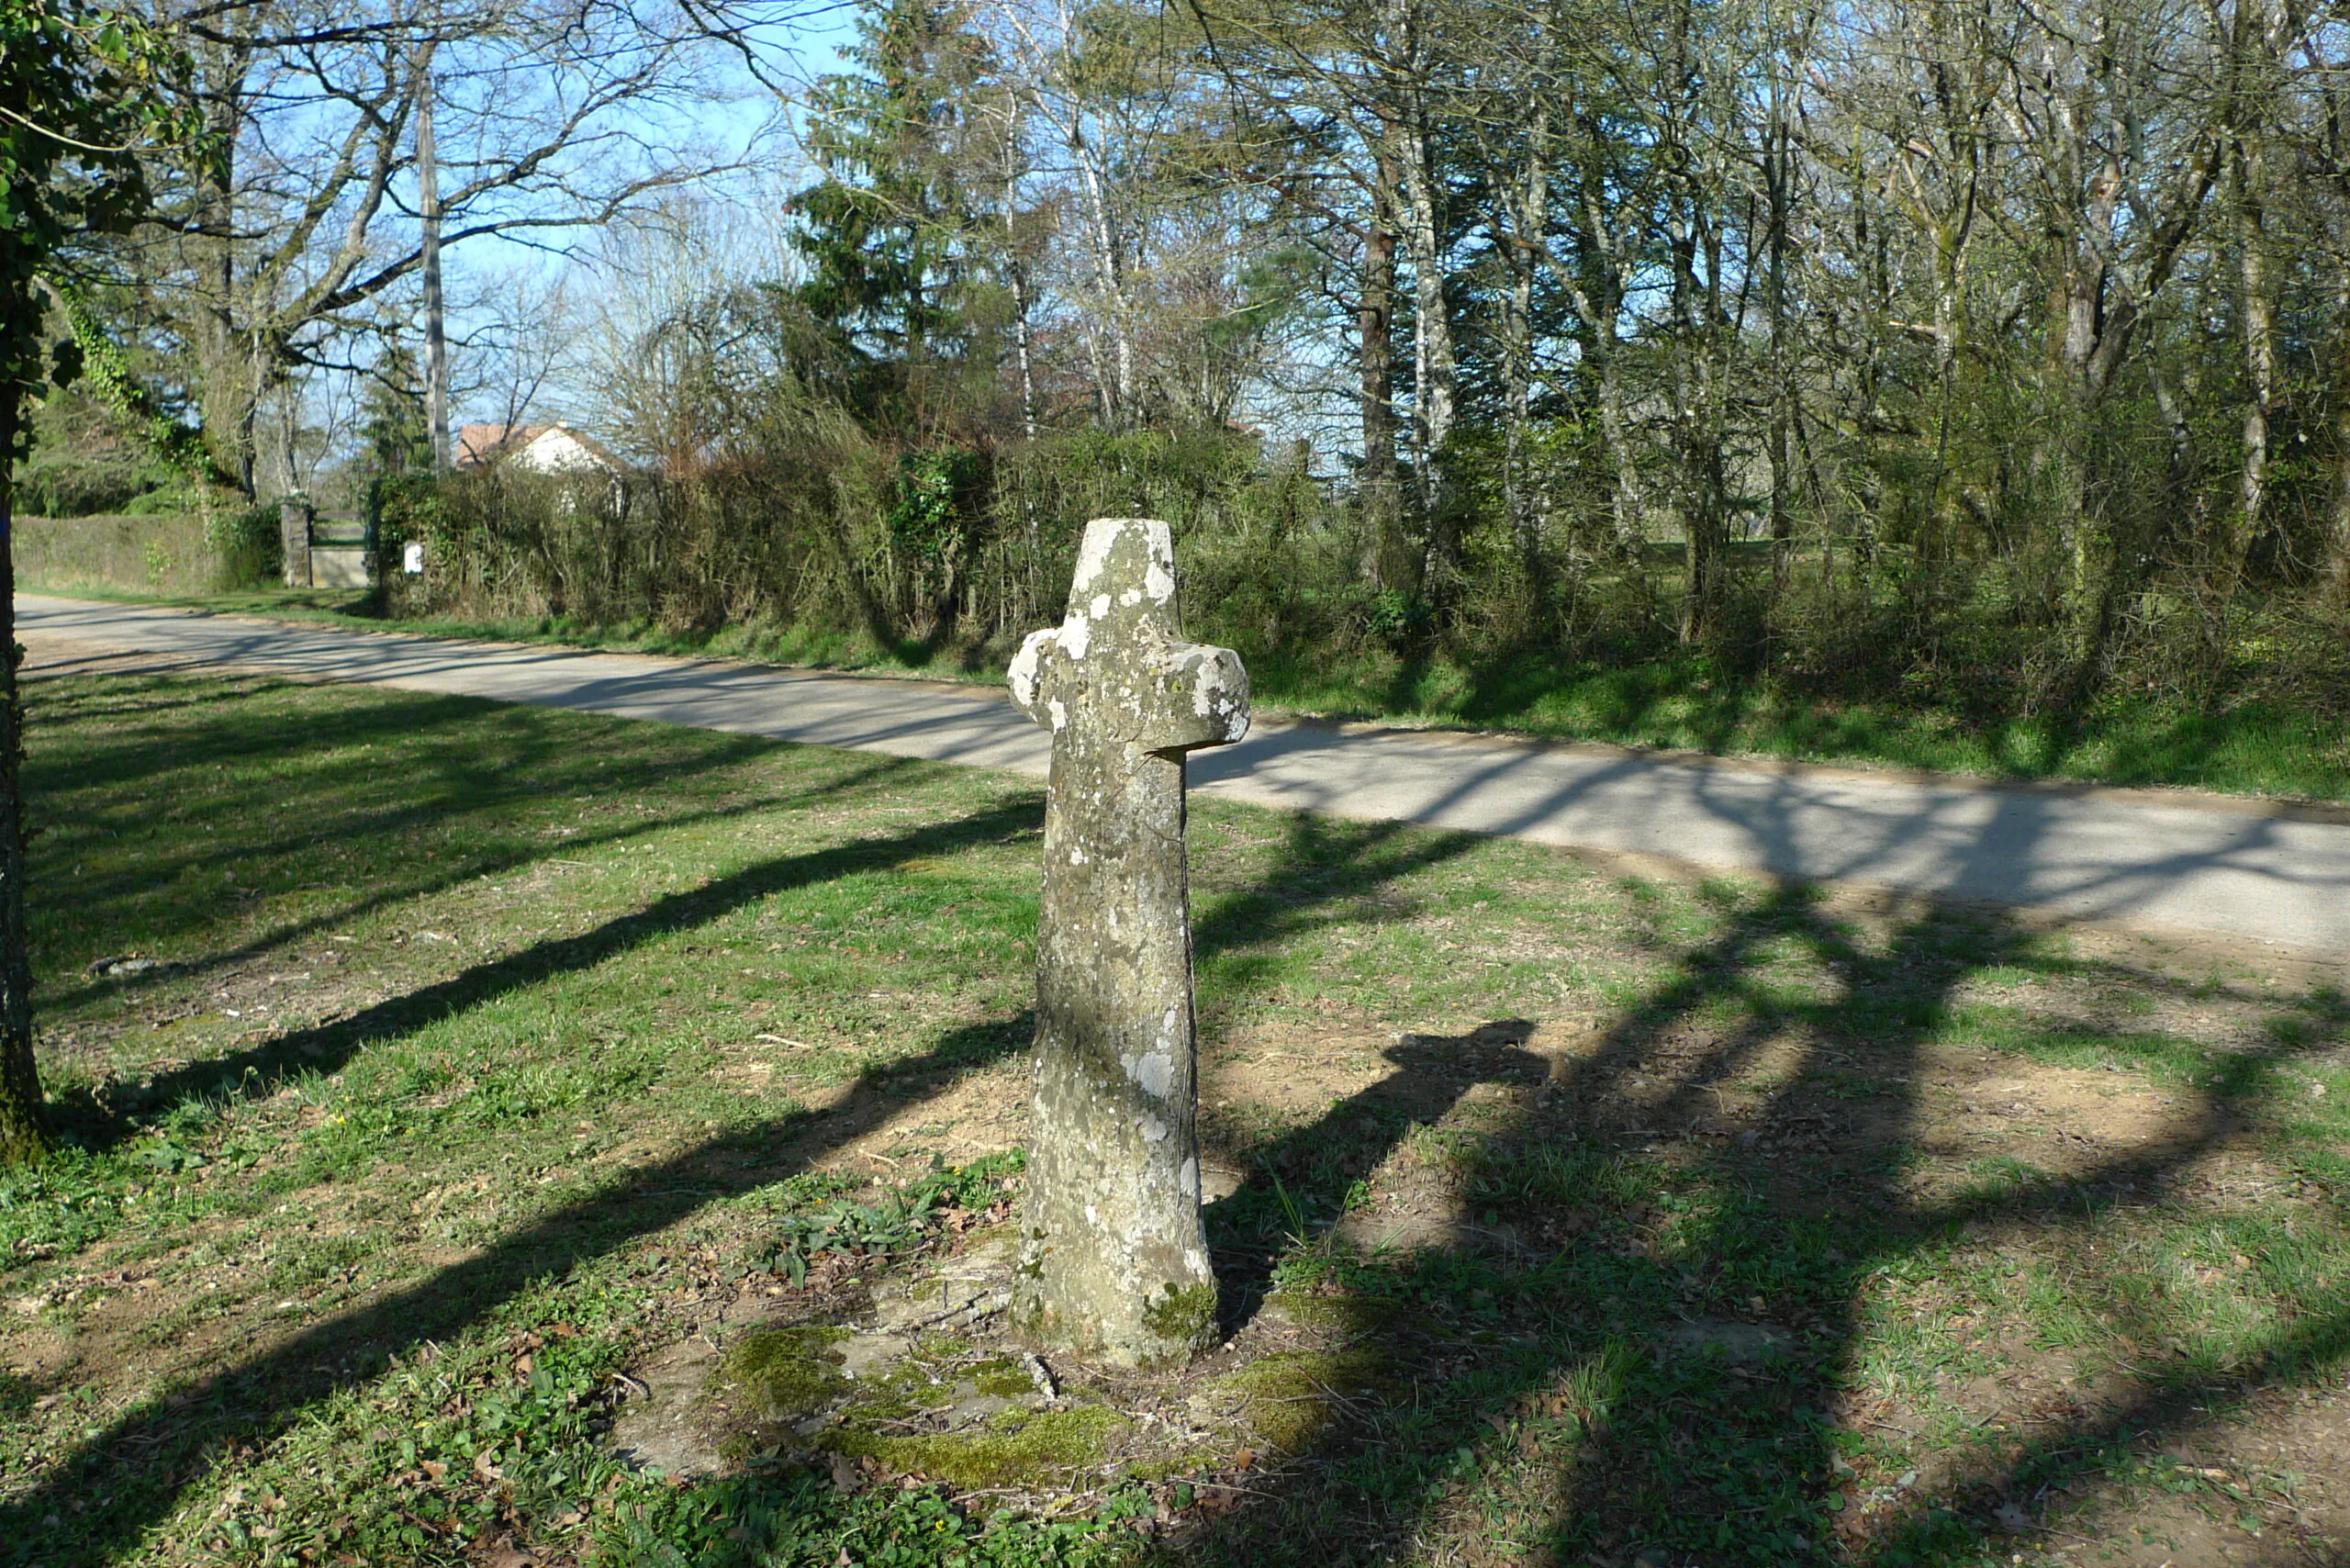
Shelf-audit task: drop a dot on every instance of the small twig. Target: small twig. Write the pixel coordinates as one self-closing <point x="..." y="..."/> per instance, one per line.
<point x="1041" y="1375"/>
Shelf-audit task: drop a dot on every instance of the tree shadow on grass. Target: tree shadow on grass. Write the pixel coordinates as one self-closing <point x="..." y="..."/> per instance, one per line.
<point x="260" y="1069"/>
<point x="1666" y="1444"/>
<point x="231" y="731"/>
<point x="128" y="1476"/>
<point x="342" y="801"/>
<point x="1328" y="872"/>
<point x="456" y="870"/>
<point x="1668" y="1372"/>
<point x="136" y="1468"/>
<point x="1297" y="1186"/>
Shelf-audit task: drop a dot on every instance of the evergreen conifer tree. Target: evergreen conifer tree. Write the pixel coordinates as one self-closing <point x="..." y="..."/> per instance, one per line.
<point x="888" y="232"/>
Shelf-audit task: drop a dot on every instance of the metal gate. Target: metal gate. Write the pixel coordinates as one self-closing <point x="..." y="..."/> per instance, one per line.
<point x="327" y="550"/>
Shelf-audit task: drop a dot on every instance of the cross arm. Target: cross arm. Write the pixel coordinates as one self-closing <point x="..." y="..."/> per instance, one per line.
<point x="1196" y="695"/>
<point x="1034" y="673"/>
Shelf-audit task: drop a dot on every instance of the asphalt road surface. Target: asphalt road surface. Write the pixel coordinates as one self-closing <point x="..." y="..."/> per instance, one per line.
<point x="2164" y="861"/>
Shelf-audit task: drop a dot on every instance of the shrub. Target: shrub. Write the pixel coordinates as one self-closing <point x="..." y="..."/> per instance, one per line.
<point x="247" y="548"/>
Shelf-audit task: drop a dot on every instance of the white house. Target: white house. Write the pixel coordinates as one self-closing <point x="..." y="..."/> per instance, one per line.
<point x="542" y="448"/>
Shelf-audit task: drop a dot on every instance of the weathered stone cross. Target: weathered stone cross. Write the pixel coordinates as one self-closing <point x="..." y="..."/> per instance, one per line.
<point x="1113" y="1261"/>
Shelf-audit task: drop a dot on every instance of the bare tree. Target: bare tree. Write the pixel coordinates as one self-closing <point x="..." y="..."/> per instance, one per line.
<point x="548" y="117"/>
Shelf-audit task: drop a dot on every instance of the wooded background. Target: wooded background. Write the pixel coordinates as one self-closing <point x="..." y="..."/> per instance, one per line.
<point x="1982" y="354"/>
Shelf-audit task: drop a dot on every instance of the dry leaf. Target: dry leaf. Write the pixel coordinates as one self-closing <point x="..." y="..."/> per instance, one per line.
<point x="846" y="1477"/>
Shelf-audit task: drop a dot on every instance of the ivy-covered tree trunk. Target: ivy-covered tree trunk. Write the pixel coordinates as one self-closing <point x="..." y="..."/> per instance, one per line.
<point x="79" y="100"/>
<point x="23" y="1128"/>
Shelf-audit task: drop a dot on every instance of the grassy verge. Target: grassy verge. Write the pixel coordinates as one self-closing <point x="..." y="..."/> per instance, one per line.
<point x="436" y="1071"/>
<point x="2251" y="747"/>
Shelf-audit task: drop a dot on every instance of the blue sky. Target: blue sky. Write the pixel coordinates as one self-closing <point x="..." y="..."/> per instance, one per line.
<point x="795" y="50"/>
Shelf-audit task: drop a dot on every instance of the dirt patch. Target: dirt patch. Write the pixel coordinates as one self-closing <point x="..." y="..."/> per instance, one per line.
<point x="2063" y="1120"/>
<point x="915" y="1374"/>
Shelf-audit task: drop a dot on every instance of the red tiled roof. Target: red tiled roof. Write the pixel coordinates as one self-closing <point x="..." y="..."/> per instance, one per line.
<point x="479" y="445"/>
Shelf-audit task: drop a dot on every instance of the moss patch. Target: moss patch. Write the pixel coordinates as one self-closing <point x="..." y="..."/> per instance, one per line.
<point x="782" y="1374"/>
<point x="1184" y="1316"/>
<point x="1002" y="1377"/>
<point x="1289" y="1398"/>
<point x="1349" y="1314"/>
<point x="1024" y="1451"/>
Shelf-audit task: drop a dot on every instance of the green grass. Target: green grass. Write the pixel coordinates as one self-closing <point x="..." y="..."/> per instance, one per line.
<point x="2251" y="748"/>
<point x="2262" y="746"/>
<point x="491" y="1049"/>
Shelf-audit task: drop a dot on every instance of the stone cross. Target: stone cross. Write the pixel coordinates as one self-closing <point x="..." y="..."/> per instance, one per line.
<point x="1113" y="1262"/>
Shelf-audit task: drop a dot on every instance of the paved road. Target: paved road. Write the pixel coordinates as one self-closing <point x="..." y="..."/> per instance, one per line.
<point x="2182" y="863"/>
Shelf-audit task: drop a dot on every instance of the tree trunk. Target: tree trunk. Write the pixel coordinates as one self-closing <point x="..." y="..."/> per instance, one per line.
<point x="1109" y="267"/>
<point x="2337" y="534"/>
<point x="427" y="205"/>
<point x="1435" y="374"/>
<point x="2264" y="34"/>
<point x="23" y="1124"/>
<point x="1699" y="354"/>
<point x="230" y="395"/>
<point x="1523" y="246"/>
<point x="1777" y="163"/>
<point x="1382" y="565"/>
<point x="1016" y="273"/>
<point x="1702" y="480"/>
<point x="1598" y="295"/>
